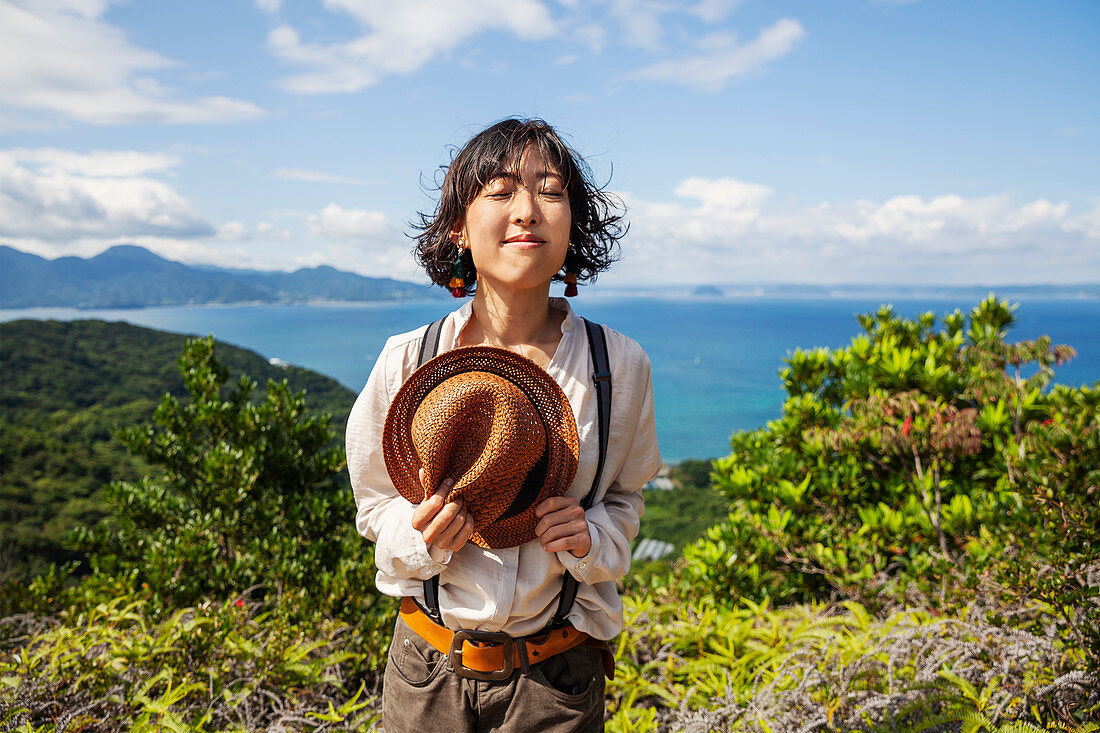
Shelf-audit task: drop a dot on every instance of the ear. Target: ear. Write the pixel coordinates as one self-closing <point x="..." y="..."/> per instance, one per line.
<point x="456" y="234"/>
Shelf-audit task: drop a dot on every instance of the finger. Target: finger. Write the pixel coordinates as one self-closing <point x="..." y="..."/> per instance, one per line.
<point x="446" y="534"/>
<point x="464" y="533"/>
<point x="438" y="527"/>
<point x="555" y="503"/>
<point x="445" y="487"/>
<point x="437" y="524"/>
<point x="562" y="516"/>
<point x="450" y="537"/>
<point x="469" y="528"/>
<point x="559" y="531"/>
<point x="577" y="544"/>
<point x="426" y="511"/>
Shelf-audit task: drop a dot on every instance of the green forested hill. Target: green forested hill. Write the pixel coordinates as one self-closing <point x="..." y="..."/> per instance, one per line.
<point x="65" y="389"/>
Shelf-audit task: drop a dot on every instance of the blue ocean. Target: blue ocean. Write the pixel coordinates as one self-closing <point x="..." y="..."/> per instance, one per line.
<point x="715" y="361"/>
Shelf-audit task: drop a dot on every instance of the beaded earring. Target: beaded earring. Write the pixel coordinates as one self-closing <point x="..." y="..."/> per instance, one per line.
<point x="458" y="270"/>
<point x="572" y="267"/>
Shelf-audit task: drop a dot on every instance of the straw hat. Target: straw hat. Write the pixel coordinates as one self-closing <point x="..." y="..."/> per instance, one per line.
<point x="497" y="424"/>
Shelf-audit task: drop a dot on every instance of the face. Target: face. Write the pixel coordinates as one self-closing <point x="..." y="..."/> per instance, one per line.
<point x="517" y="227"/>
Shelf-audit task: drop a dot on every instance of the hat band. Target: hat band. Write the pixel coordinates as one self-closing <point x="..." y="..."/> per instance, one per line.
<point x="532" y="484"/>
<point x="536" y="477"/>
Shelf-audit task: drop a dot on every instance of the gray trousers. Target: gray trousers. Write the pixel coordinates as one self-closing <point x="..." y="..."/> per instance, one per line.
<point x="421" y="693"/>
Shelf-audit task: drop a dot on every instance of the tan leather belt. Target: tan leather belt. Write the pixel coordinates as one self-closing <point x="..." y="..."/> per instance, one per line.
<point x="485" y="655"/>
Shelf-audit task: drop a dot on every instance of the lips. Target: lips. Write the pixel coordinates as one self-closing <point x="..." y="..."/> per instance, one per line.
<point x="524" y="239"/>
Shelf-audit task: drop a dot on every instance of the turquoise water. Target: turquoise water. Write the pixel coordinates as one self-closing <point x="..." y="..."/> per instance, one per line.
<point x="715" y="362"/>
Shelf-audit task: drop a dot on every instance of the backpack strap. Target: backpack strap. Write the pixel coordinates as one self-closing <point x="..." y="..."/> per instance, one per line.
<point x="601" y="377"/>
<point x="429" y="347"/>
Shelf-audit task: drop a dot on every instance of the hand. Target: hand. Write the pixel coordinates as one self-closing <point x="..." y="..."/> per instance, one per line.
<point x="563" y="526"/>
<point x="444" y="524"/>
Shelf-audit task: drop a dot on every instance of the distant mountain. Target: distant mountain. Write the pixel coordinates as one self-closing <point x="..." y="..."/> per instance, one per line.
<point x="127" y="276"/>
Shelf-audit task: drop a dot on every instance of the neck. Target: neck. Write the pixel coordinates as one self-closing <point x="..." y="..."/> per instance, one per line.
<point x="515" y="317"/>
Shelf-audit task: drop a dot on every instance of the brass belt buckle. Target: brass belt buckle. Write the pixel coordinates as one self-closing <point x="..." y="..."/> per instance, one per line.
<point x="508" y="648"/>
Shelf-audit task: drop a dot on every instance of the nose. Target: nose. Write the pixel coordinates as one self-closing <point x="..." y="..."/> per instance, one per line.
<point x="525" y="208"/>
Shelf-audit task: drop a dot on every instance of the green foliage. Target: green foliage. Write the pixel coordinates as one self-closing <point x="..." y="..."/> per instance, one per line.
<point x="215" y="666"/>
<point x="702" y="664"/>
<point x="248" y="494"/>
<point x="918" y="463"/>
<point x="67" y="388"/>
<point x="245" y="524"/>
<point x="682" y="514"/>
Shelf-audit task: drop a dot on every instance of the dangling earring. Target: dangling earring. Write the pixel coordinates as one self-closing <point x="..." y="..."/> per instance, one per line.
<point x="458" y="271"/>
<point x="572" y="267"/>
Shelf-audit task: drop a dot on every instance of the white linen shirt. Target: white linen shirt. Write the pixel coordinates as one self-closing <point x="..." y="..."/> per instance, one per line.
<point x="515" y="589"/>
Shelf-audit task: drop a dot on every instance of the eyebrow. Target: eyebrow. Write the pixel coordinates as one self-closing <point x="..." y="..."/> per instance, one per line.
<point x="515" y="178"/>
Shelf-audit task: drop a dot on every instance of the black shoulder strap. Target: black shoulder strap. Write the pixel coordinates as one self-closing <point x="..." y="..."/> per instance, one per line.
<point x="429" y="347"/>
<point x="601" y="376"/>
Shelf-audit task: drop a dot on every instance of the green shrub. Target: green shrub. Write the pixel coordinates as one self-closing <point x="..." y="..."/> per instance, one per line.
<point x="706" y="665"/>
<point x="226" y="666"/>
<point x="246" y="499"/>
<point x="918" y="464"/>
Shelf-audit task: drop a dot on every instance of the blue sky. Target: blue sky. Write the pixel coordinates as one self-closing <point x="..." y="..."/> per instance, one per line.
<point x="929" y="141"/>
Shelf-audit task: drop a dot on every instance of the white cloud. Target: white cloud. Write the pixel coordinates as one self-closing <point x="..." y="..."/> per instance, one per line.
<point x="299" y="174"/>
<point x="110" y="163"/>
<point x="235" y="231"/>
<point x="190" y="251"/>
<point x="712" y="11"/>
<point x="399" y="38"/>
<point x="593" y="36"/>
<point x="57" y="195"/>
<point x="359" y="241"/>
<point x="353" y="225"/>
<point x="61" y="58"/>
<point x="723" y="58"/>
<point x="641" y="21"/>
<point x="1087" y="224"/>
<point x="267" y="230"/>
<point x="725" y="230"/>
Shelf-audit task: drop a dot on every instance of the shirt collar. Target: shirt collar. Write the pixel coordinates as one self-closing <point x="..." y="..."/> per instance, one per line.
<point x="463" y="314"/>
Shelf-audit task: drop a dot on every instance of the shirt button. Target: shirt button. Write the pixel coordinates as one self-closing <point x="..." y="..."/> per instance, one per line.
<point x="582" y="565"/>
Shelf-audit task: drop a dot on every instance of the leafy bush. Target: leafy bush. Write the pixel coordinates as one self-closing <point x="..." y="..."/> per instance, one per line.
<point x="248" y="496"/>
<point x="224" y="666"/>
<point x="704" y="665"/>
<point x="67" y="388"/>
<point x="918" y="464"/>
<point x="206" y="576"/>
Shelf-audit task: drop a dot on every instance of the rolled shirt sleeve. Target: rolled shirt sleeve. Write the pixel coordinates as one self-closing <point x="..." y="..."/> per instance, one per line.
<point x="382" y="515"/>
<point x="613" y="521"/>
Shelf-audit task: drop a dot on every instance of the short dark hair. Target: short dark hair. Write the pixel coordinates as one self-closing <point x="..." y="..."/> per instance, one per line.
<point x="597" y="215"/>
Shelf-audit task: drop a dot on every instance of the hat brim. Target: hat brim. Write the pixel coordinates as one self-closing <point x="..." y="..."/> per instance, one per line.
<point x="562" y="449"/>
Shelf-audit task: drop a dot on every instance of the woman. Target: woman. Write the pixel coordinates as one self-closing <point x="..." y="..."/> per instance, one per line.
<point x="517" y="211"/>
